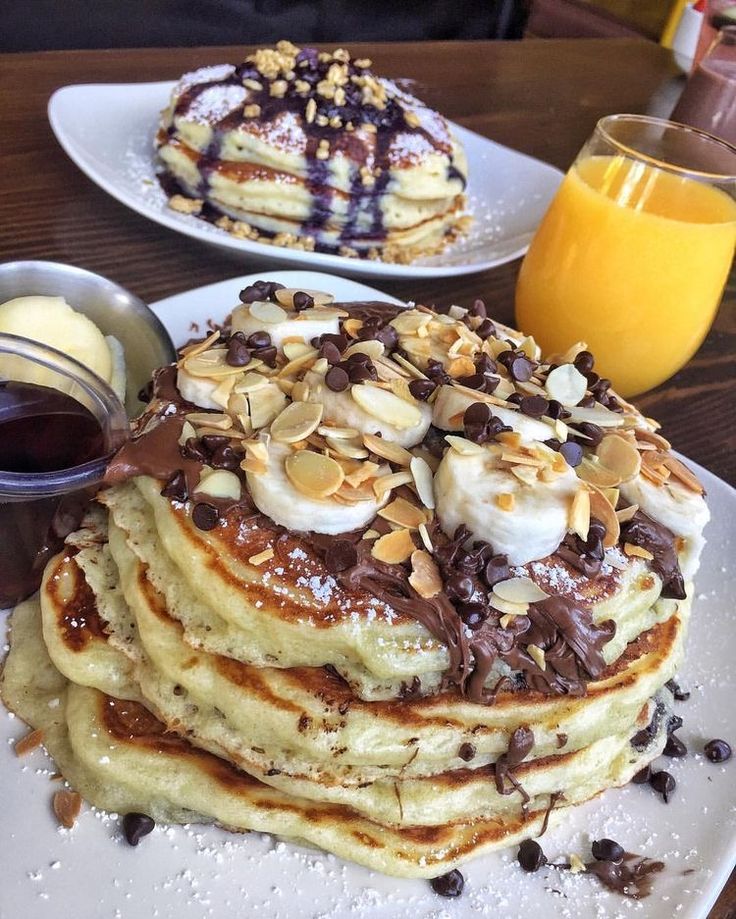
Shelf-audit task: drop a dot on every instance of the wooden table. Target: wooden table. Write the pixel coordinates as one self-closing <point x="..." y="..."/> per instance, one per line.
<point x="540" y="97"/>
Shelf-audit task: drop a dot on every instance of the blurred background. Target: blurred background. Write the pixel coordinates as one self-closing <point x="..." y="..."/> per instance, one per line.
<point x="36" y="25"/>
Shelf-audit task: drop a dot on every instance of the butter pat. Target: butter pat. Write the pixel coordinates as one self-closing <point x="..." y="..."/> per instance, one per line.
<point x="51" y="321"/>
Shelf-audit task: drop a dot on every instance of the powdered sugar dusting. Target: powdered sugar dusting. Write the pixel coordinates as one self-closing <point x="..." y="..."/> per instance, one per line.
<point x="214" y="103"/>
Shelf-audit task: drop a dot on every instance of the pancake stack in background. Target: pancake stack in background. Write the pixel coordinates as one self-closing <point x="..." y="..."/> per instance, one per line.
<point x="386" y="581"/>
<point x="311" y="150"/>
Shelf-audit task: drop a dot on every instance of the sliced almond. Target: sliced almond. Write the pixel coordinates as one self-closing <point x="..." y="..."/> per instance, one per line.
<point x="297" y="421"/>
<point x="521" y="459"/>
<point x="510" y="439"/>
<point x="423" y="481"/>
<point x="526" y="474"/>
<point x="371" y="534"/>
<point x="510" y="609"/>
<point x="338" y="433"/>
<point x="626" y="513"/>
<point x="579" y="517"/>
<point x="187" y="431"/>
<point x="264" y="405"/>
<point x="461" y="367"/>
<point x="387" y="450"/>
<point x="683" y="474"/>
<point x="424" y="533"/>
<point x="637" y="551"/>
<point x="394" y="547"/>
<point x="314" y="474"/>
<point x="256" y="457"/>
<point x="213" y="364"/>
<point x="537" y="655"/>
<point x="295" y="349"/>
<point x="653" y="466"/>
<point x="599" y="415"/>
<point x="268" y="313"/>
<point x="67" y="805"/>
<point x="387" y="407"/>
<point x="505" y="501"/>
<point x="352" y="327"/>
<point x="425" y="575"/>
<point x="603" y="510"/>
<point x="387" y="482"/>
<point x="651" y="437"/>
<point x="620" y="456"/>
<point x="463" y="446"/>
<point x="403" y="513"/>
<point x="219" y="483"/>
<point x="577" y="865"/>
<point x="566" y="384"/>
<point x="519" y="590"/>
<point x="303" y="362"/>
<point x="347" y="448"/>
<point x="202" y="346"/>
<point x="262" y="557"/>
<point x="285" y="296"/>
<point x="373" y="348"/>
<point x="219" y="422"/>
<point x="592" y="471"/>
<point x="28" y="742"/>
<point x="251" y="382"/>
<point x="408" y="366"/>
<point x="361" y="473"/>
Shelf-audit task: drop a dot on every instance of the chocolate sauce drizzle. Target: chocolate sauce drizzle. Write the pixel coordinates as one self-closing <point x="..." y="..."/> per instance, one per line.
<point x="642" y="531"/>
<point x="364" y="225"/>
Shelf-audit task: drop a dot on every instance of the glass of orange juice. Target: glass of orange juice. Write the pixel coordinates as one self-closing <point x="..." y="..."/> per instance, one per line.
<point x="634" y="251"/>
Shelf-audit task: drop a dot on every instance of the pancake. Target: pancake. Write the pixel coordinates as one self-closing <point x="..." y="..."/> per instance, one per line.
<point x="313" y="150"/>
<point x="343" y="589"/>
<point x="121" y="758"/>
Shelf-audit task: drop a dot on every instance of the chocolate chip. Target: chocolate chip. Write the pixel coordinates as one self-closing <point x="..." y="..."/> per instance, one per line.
<point x="572" y="452"/>
<point x="584" y="362"/>
<point x="259" y="340"/>
<point x="641" y="739"/>
<point x="389" y="337"/>
<point x="592" y="432"/>
<point x="674" y="748"/>
<point x="422" y="389"/>
<point x="146" y="393"/>
<point x="212" y="442"/>
<point x="642" y="776"/>
<point x="474" y="381"/>
<point x="717" y="750"/>
<point x="531" y="857"/>
<point x="460" y="587"/>
<point x="521" y="369"/>
<point x="497" y="570"/>
<point x="176" y="487"/>
<point x="267" y="355"/>
<point x="250" y="294"/>
<point x="466" y="752"/>
<point x="436" y="372"/>
<point x="587" y="402"/>
<point x="484" y="364"/>
<point x="664" y="784"/>
<point x="680" y="694"/>
<point x="606" y="850"/>
<point x="136" y="826"/>
<point x="557" y="410"/>
<point x="478" y="309"/>
<point x="533" y="406"/>
<point x="674" y="723"/>
<point x="448" y="885"/>
<point x="302" y="301"/>
<point x="330" y="353"/>
<point x="225" y="458"/>
<point x="360" y="372"/>
<point x="205" y="516"/>
<point x="193" y="450"/>
<point x="340" y="555"/>
<point x="473" y="615"/>
<point x="337" y="379"/>
<point x="485" y="330"/>
<point x="339" y="341"/>
<point x="515" y="398"/>
<point x="238" y="354"/>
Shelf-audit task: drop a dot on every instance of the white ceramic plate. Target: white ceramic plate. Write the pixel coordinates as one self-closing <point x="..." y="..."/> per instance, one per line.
<point x="204" y="873"/>
<point x="108" y="129"/>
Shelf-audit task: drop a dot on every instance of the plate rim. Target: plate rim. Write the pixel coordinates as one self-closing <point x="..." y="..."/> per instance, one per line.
<point x="251" y="248"/>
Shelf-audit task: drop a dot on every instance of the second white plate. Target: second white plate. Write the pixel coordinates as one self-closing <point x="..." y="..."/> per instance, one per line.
<point x="108" y="129"/>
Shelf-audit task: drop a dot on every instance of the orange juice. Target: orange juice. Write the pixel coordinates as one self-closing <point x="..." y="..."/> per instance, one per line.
<point x="632" y="260"/>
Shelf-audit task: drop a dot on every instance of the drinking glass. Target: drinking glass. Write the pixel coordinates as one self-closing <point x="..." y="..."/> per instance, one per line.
<point x="634" y="251"/>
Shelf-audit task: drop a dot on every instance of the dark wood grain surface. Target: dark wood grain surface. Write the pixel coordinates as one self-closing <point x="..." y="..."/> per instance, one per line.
<point x="539" y="97"/>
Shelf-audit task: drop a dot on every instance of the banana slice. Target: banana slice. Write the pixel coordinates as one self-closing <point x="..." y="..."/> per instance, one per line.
<point x="467" y="486"/>
<point x="682" y="511"/>
<point x="342" y="410"/>
<point x="451" y="402"/>
<point x="281" y="323"/>
<point x="51" y="321"/>
<point x="197" y="390"/>
<point x="276" y="497"/>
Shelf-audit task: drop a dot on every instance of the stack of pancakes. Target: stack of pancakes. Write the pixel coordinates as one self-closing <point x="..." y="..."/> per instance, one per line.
<point x="311" y="150"/>
<point x="222" y="666"/>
